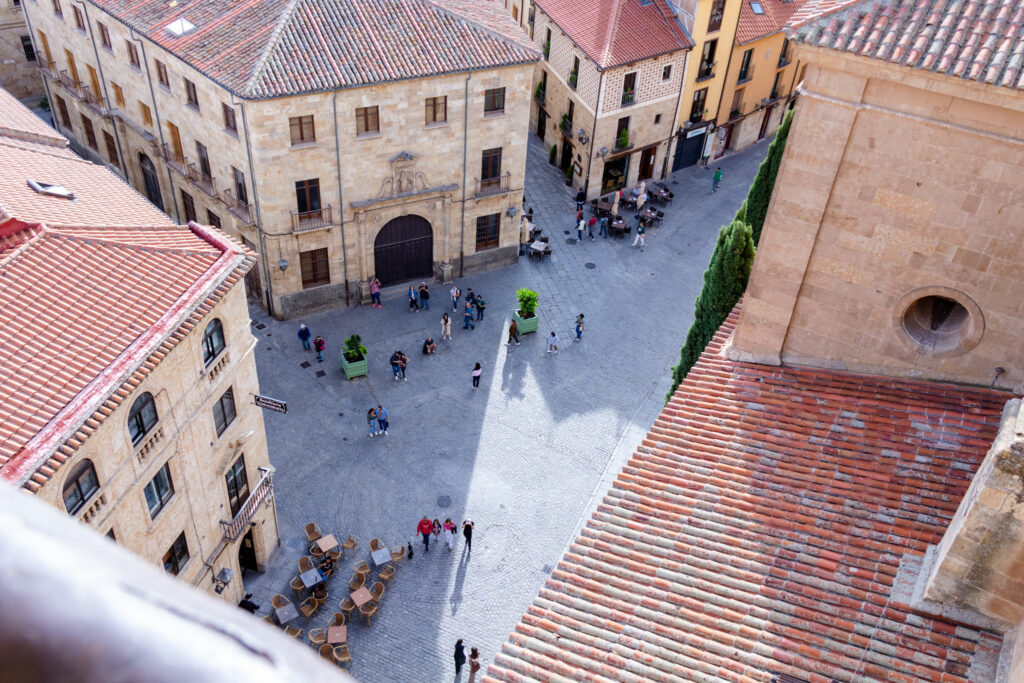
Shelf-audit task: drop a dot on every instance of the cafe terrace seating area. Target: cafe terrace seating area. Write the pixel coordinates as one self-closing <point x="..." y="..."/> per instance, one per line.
<point x="320" y="603"/>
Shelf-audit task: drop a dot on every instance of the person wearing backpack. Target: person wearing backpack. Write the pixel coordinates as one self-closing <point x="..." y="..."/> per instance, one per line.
<point x="455" y="293"/>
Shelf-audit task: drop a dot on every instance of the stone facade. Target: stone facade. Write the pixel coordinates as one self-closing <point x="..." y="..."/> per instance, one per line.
<point x="250" y="190"/>
<point x="18" y="74"/>
<point x="185" y="440"/>
<point x="599" y="106"/>
<point x="886" y="256"/>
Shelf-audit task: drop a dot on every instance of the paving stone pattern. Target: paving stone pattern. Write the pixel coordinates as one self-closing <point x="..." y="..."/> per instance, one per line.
<point x="526" y="456"/>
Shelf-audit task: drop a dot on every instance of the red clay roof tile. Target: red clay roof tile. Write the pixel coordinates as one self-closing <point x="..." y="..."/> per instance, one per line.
<point x="773" y="18"/>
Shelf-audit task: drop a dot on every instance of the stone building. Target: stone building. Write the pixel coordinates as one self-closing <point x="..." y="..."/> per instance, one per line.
<point x="761" y="79"/>
<point x="127" y="368"/>
<point x="834" y="493"/>
<point x="395" y="145"/>
<point x="607" y="92"/>
<point x="18" y="74"/>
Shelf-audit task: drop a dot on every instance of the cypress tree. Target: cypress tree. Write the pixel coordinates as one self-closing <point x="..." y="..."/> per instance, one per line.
<point x="724" y="283"/>
<point x="760" y="193"/>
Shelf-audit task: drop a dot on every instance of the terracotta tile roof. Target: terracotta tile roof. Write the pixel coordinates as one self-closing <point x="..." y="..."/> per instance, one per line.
<point x="776" y="13"/>
<point x="759" y="528"/>
<point x="977" y="40"/>
<point x="86" y="313"/>
<point x="17" y="122"/>
<point x="616" y="32"/>
<point x="101" y="198"/>
<point x="270" y="48"/>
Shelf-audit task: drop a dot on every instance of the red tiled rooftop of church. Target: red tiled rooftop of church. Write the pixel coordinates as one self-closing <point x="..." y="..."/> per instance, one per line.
<point x="759" y="530"/>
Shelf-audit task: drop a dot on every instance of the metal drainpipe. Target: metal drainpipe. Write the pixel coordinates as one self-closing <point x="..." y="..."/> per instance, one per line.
<point x="256" y="207"/>
<point x="46" y="83"/>
<point x="465" y="136"/>
<point x="106" y="95"/>
<point x="341" y="201"/>
<point x="159" y="126"/>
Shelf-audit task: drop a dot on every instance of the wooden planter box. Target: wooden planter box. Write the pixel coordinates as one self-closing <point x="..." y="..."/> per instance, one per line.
<point x="354" y="369"/>
<point x="526" y="324"/>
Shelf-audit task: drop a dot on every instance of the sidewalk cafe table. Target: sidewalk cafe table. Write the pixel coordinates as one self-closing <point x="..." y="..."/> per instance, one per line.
<point x="327" y="543"/>
<point x="361" y="596"/>
<point x="311" y="578"/>
<point x="380" y="557"/>
<point x="286" y="613"/>
<point x="337" y="635"/>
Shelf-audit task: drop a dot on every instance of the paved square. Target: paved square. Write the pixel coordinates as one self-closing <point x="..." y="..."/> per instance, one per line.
<point x="526" y="456"/>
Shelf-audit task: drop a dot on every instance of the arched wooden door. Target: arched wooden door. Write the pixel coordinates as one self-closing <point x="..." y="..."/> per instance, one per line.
<point x="151" y="180"/>
<point x="404" y="250"/>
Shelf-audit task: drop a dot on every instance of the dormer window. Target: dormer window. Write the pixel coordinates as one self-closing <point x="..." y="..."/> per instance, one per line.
<point x="51" y="190"/>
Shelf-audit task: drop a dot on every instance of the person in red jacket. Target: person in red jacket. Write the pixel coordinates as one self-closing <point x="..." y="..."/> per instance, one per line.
<point x="424" y="528"/>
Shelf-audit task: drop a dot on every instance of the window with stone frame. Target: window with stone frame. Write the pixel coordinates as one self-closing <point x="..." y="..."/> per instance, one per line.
<point x="189" y="205"/>
<point x="62" y="109"/>
<point x="133" y="55"/>
<point x="700" y="98"/>
<point x="191" y="96"/>
<point x="436" y="109"/>
<point x="177" y="557"/>
<point x="80" y="485"/>
<point x="175" y="135"/>
<point x="239" y="180"/>
<point x="104" y="36"/>
<point x="28" y="49"/>
<point x="488" y="229"/>
<point x="204" y="161"/>
<point x="118" y="94"/>
<point x="159" y="490"/>
<point x="237" y="484"/>
<point x="142" y="417"/>
<point x="494" y="101"/>
<point x="90" y="133"/>
<point x="230" y="122"/>
<point x="715" y="18"/>
<point x="302" y="129"/>
<point x="666" y="72"/>
<point x="111" y="145"/>
<point x="213" y="340"/>
<point x="161" y="74"/>
<point x="57" y="8"/>
<point x="213" y="219"/>
<point x="79" y="18"/>
<point x="147" y="115"/>
<point x="367" y="121"/>
<point x="307" y="198"/>
<point x="314" y="265"/>
<point x="224" y="411"/>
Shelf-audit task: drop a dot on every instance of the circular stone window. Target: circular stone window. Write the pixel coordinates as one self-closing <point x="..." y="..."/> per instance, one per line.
<point x="937" y="324"/>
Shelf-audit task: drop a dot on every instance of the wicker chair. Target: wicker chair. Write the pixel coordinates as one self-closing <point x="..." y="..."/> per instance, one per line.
<point x="361" y="567"/>
<point x="356" y="582"/>
<point x="279" y="601"/>
<point x="341" y="655"/>
<point x="269" y="618"/>
<point x="309" y="607"/>
<point x="398" y="553"/>
<point x="334" y="555"/>
<point x="327" y="652"/>
<point x="297" y="587"/>
<point x="347" y="607"/>
<point x="337" y="620"/>
<point x="368" y="610"/>
<point x="312" y="532"/>
<point x="387" y="574"/>
<point x="315" y="551"/>
<point x="292" y="631"/>
<point x="375" y="545"/>
<point x="305" y="564"/>
<point x="351" y="543"/>
<point x="317" y="636"/>
<point x="320" y="595"/>
<point x="377" y="591"/>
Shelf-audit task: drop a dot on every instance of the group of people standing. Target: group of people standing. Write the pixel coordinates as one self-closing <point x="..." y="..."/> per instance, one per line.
<point x="318" y="344"/>
<point x="377" y="421"/>
<point x="425" y="528"/>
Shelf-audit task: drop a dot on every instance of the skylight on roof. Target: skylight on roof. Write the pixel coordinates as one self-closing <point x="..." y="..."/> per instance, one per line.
<point x="51" y="190"/>
<point x="756" y="7"/>
<point x="180" y="27"/>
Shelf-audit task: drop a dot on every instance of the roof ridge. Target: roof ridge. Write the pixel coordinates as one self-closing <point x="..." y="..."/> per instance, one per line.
<point x="612" y="32"/>
<point x="136" y="246"/>
<point x="270" y="47"/>
<point x="449" y="9"/>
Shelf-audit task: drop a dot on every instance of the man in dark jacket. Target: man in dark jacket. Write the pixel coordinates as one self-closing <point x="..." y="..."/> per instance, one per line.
<point x="581" y="197"/>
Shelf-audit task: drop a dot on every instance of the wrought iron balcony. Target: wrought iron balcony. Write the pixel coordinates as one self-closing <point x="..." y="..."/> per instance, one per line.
<point x="201" y="180"/>
<point x="173" y="159"/>
<point x="493" y="186"/>
<point x="94" y="101"/>
<point x="235" y="529"/>
<point x="628" y="97"/>
<point x="48" y="67"/>
<point x="73" y="85"/>
<point x="311" y="220"/>
<point x="238" y="209"/>
<point x="706" y="70"/>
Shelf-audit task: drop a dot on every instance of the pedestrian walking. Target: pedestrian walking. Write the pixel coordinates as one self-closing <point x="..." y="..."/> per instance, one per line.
<point x="413" y="304"/>
<point x="436" y="528"/>
<point x="581" y="197"/>
<point x="304" y="337"/>
<point x="382" y="420"/>
<point x="374" y="292"/>
<point x="248" y="605"/>
<point x="480" y="306"/>
<point x="579" y="327"/>
<point x="471" y="297"/>
<point x="553" y="343"/>
<point x="467" y="533"/>
<point x="513" y="333"/>
<point x="716" y="178"/>
<point x="424" y="296"/>
<point x="398" y="363"/>
<point x="449" y="533"/>
<point x="640" y="230"/>
<point x="474" y="664"/>
<point x="477" y="371"/>
<point x="319" y="345"/>
<point x="581" y="224"/>
<point x="604" y="227"/>
<point x="460" y="656"/>
<point x="455" y="293"/>
<point x="467" y="317"/>
<point x="446" y="327"/>
<point x="424" y="528"/>
<point x="590" y="227"/>
<point x="371" y="420"/>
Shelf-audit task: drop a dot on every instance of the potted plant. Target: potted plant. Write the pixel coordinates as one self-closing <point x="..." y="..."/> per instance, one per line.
<point x="573" y="77"/>
<point x="539" y="93"/>
<point x="354" y="360"/>
<point x="526" y="315"/>
<point x="568" y="176"/>
<point x="565" y="125"/>
<point x="547" y="48"/>
<point x="623" y="141"/>
<point x="553" y="154"/>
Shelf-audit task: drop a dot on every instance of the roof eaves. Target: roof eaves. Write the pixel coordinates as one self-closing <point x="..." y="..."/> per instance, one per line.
<point x="644" y="59"/>
<point x="756" y="38"/>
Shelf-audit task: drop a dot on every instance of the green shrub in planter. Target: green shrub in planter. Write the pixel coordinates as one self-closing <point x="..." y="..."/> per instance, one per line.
<point x="526" y="316"/>
<point x="354" y="357"/>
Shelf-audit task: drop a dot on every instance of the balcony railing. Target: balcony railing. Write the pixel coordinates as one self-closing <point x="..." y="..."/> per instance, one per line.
<point x="73" y="85"/>
<point x="706" y="70"/>
<point x="539" y="95"/>
<point x="311" y="220"/>
<point x="46" y="66"/>
<point x="493" y="186"/>
<point x="783" y="60"/>
<point x="234" y="529"/>
<point x="202" y="180"/>
<point x="239" y="209"/>
<point x="573" y="78"/>
<point x="94" y="101"/>
<point x="628" y="97"/>
<point x="173" y="159"/>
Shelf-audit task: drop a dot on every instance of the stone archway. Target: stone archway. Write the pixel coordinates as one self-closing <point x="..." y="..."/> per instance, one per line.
<point x="151" y="181"/>
<point x="404" y="250"/>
